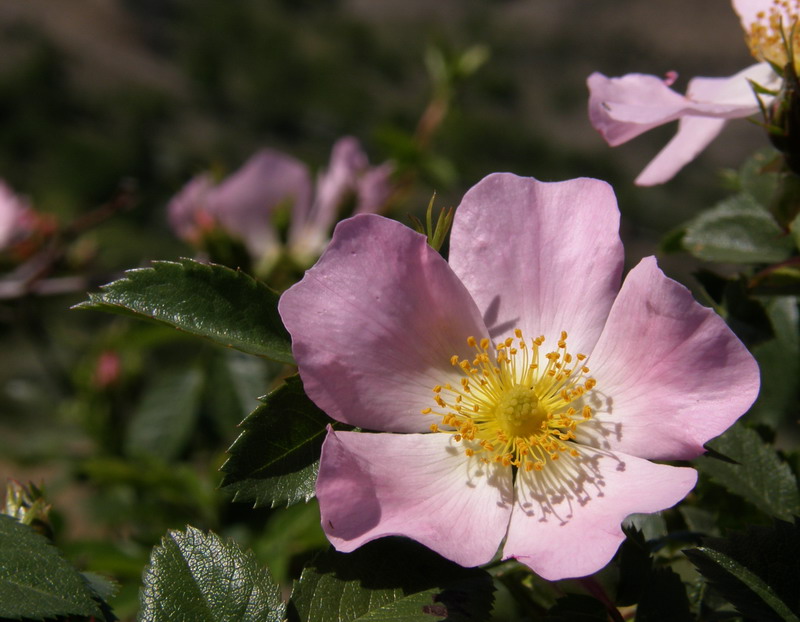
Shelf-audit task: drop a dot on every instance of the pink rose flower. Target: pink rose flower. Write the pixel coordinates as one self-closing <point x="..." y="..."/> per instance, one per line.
<point x="622" y="108"/>
<point x="243" y="204"/>
<point x="17" y="219"/>
<point x="520" y="392"/>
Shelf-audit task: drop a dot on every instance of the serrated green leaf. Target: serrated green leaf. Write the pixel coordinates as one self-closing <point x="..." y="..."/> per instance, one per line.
<point x="755" y="570"/>
<point x="760" y="476"/>
<point x="166" y="415"/>
<point x="198" y="577"/>
<point x="737" y="230"/>
<point x="35" y="581"/>
<point x="390" y="580"/>
<point x="276" y="458"/>
<point x="226" y="306"/>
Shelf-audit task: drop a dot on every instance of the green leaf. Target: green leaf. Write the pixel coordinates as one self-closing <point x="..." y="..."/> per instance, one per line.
<point x="276" y="458"/>
<point x="35" y="581"/>
<point x="577" y="608"/>
<point x="226" y="306"/>
<point x="198" y="577"/>
<point x="755" y="570"/>
<point x="390" y="580"/>
<point x="760" y="476"/>
<point x="779" y="361"/>
<point x="166" y="415"/>
<point x="737" y="230"/>
<point x="659" y="592"/>
<point x="794" y="227"/>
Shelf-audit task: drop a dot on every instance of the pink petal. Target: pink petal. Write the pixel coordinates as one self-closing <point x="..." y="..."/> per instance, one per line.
<point x="185" y="207"/>
<point x="747" y="10"/>
<point x="671" y="373"/>
<point x="694" y="135"/>
<point x="374" y="189"/>
<point x="374" y="324"/>
<point x="622" y="108"/>
<point x="16" y="216"/>
<point x="542" y="257"/>
<point x="568" y="525"/>
<point x="415" y="485"/>
<point x="243" y="203"/>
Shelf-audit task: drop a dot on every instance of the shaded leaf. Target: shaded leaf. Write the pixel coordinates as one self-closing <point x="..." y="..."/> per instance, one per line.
<point x="577" y="608"/>
<point x="779" y="361"/>
<point x="35" y="581"/>
<point x="276" y="458"/>
<point x="659" y="592"/>
<point x="737" y="230"/>
<point x="391" y="579"/>
<point x="209" y="300"/>
<point x="755" y="570"/>
<point x="760" y="476"/>
<point x="197" y="577"/>
<point x="165" y="417"/>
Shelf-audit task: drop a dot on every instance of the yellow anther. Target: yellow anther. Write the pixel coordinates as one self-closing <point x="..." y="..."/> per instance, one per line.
<point x="434" y="427"/>
<point x="471" y="342"/>
<point x="484" y="343"/>
<point x="518" y="333"/>
<point x="427" y="411"/>
<point x="454" y="359"/>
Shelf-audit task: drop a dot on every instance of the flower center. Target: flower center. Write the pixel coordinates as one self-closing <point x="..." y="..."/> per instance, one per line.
<point x="513" y="404"/>
<point x="774" y="36"/>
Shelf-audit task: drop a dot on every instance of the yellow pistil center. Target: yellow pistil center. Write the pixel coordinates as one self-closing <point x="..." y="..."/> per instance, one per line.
<point x="515" y="404"/>
<point x="774" y="36"/>
<point x="518" y="412"/>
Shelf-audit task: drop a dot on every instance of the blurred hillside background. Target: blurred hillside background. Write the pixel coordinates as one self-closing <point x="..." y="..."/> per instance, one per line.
<point x="102" y="99"/>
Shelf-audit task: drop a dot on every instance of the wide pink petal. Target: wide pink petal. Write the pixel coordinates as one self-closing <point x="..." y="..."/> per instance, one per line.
<point x="694" y="135"/>
<point x="414" y="485"/>
<point x="542" y="257"/>
<point x="567" y="517"/>
<point x="671" y="373"/>
<point x="374" y="324"/>
<point x="243" y="203"/>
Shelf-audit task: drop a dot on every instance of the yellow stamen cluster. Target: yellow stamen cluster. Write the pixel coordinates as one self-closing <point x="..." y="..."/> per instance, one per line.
<point x="515" y="404"/>
<point x="774" y="36"/>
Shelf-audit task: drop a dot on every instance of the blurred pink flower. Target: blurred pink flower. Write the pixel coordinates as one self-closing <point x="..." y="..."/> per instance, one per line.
<point x="480" y="365"/>
<point x="622" y="108"/>
<point x="17" y="219"/>
<point x="245" y="203"/>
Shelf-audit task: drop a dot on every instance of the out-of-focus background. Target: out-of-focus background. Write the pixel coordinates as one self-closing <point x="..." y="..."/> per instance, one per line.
<point x="102" y="99"/>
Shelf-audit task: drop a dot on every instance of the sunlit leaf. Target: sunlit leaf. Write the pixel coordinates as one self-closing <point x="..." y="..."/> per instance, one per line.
<point x="737" y="230"/>
<point x="390" y="580"/>
<point x="199" y="577"/>
<point x="760" y="476"/>
<point x="35" y="581"/>
<point x="756" y="570"/>
<point x="276" y="457"/>
<point x="226" y="306"/>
